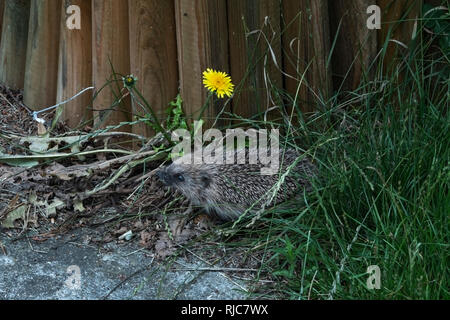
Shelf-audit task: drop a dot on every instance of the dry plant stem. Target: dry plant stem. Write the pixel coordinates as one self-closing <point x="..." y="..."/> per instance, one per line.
<point x="123" y="169"/>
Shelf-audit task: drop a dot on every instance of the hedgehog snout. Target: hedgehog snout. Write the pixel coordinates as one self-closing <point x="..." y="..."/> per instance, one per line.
<point x="163" y="176"/>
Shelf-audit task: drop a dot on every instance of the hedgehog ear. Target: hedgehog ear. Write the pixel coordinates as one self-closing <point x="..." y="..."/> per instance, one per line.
<point x="205" y="181"/>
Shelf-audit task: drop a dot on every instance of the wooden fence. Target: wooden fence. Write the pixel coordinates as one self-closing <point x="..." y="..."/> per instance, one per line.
<point x="167" y="44"/>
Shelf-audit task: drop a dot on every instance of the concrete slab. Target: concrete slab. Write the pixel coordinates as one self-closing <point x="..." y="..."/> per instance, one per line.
<point x="32" y="270"/>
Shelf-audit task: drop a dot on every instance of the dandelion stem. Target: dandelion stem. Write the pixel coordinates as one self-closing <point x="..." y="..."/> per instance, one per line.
<point x="205" y="105"/>
<point x="153" y="115"/>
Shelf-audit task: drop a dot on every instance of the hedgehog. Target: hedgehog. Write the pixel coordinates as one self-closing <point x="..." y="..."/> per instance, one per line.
<point x="227" y="191"/>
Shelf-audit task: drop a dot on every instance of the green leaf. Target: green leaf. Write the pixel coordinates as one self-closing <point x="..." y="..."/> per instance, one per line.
<point x="18" y="213"/>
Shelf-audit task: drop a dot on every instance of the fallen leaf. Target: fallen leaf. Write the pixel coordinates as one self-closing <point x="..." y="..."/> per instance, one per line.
<point x="78" y="205"/>
<point x="18" y="213"/>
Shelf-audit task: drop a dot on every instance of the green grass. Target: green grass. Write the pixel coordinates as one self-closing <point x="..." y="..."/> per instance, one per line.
<point x="381" y="198"/>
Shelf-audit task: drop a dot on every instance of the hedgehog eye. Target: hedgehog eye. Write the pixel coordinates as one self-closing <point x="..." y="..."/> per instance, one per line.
<point x="206" y="181"/>
<point x="179" y="177"/>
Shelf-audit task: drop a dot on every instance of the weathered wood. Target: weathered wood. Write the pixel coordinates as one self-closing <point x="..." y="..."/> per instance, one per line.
<point x="306" y="44"/>
<point x="153" y="53"/>
<point x="110" y="43"/>
<point x="42" y="54"/>
<point x="2" y="8"/>
<point x="252" y="55"/>
<point x="75" y="64"/>
<point x="397" y="22"/>
<point x="202" y="37"/>
<point x="13" y="48"/>
<point x="219" y="34"/>
<point x="356" y="45"/>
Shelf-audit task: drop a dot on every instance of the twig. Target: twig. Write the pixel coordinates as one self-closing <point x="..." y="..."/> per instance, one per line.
<point x="215" y="269"/>
<point x="126" y="279"/>
<point x="33" y="249"/>
<point x="211" y="264"/>
<point x="3" y="249"/>
<point x="17" y="101"/>
<point x="135" y="251"/>
<point x="4" y="98"/>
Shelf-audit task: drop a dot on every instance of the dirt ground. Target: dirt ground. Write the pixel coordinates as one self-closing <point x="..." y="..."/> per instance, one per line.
<point x="102" y="214"/>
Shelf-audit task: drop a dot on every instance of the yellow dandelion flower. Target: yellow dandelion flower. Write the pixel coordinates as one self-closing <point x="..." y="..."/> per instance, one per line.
<point x="219" y="82"/>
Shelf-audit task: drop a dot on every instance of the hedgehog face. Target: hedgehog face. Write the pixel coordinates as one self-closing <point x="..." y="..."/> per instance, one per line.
<point x="192" y="183"/>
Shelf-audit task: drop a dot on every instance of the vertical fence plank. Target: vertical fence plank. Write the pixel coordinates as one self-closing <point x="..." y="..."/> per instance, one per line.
<point x="13" y="48"/>
<point x="2" y="8"/>
<point x="306" y="44"/>
<point x="110" y="42"/>
<point x="202" y="38"/>
<point x="75" y="63"/>
<point x="42" y="54"/>
<point x="398" y="20"/>
<point x="153" y="53"/>
<point x="356" y="45"/>
<point x="252" y="55"/>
